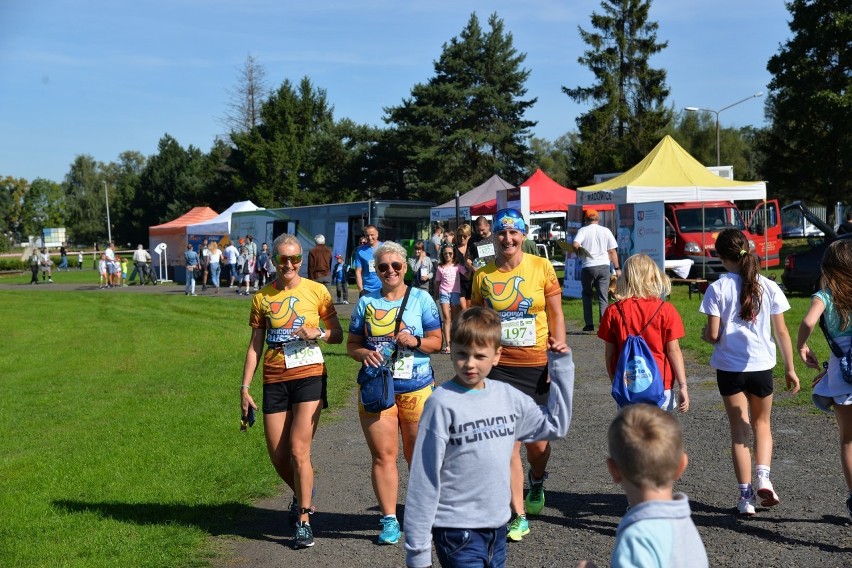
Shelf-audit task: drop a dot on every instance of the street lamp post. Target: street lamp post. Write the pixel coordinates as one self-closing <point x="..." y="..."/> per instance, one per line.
<point x="109" y="229"/>
<point x="716" y="112"/>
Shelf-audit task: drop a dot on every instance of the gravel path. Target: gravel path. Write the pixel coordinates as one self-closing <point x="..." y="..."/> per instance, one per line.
<point x="583" y="508"/>
<point x="809" y="528"/>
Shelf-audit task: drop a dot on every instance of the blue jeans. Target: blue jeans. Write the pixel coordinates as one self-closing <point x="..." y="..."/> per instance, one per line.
<point x="597" y="276"/>
<point x="215" y="269"/>
<point x="190" y="280"/>
<point x="469" y="548"/>
<point x="63" y="263"/>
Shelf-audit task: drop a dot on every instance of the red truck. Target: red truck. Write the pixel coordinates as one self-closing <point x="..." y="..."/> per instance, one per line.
<point x="685" y="227"/>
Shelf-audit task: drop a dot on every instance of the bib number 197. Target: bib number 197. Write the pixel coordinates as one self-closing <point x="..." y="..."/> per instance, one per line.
<point x="518" y="333"/>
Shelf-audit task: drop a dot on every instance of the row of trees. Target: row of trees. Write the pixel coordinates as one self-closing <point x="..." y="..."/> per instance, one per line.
<point x="284" y="146"/>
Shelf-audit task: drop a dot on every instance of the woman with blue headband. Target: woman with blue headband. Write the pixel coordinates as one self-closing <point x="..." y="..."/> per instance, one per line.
<point x="524" y="290"/>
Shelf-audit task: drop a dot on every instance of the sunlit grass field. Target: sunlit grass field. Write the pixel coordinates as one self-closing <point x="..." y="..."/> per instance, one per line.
<point x="120" y="421"/>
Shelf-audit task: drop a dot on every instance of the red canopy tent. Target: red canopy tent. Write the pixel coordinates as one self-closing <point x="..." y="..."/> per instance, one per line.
<point x="545" y="195"/>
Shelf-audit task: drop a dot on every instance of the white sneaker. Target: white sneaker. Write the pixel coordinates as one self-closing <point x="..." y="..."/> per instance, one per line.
<point x="345" y="302"/>
<point x="745" y="505"/>
<point x="768" y="497"/>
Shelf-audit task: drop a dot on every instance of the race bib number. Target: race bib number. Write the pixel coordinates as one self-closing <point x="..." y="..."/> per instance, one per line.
<point x="301" y="353"/>
<point x="403" y="367"/>
<point x="485" y="250"/>
<point x="371" y="266"/>
<point x="518" y="332"/>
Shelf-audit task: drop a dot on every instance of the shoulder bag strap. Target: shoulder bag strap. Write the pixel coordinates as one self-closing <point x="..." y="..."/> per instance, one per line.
<point x="652" y="317"/>
<point x="835" y="348"/>
<point x="399" y="318"/>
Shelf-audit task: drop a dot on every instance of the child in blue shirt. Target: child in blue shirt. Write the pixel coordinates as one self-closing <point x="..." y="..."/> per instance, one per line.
<point x="646" y="457"/>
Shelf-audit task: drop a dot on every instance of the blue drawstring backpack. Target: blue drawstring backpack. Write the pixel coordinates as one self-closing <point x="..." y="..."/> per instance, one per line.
<point x="637" y="376"/>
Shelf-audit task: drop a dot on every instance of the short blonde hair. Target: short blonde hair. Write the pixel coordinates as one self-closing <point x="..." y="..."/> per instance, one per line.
<point x="464" y="230"/>
<point x="390" y="247"/>
<point x="646" y="443"/>
<point x="642" y="278"/>
<point x="285" y="239"/>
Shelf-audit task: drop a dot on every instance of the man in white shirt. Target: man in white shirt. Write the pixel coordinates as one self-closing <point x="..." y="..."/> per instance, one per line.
<point x="596" y="248"/>
<point x="231" y="254"/>
<point x="141" y="258"/>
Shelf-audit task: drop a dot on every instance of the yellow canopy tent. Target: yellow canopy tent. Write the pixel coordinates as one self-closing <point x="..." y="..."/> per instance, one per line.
<point x="670" y="174"/>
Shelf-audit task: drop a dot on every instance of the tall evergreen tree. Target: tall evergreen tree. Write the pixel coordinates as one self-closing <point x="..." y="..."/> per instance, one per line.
<point x="169" y="185"/>
<point x="629" y="112"/>
<point x="808" y="148"/>
<point x="282" y="160"/>
<point x="467" y="122"/>
<point x="13" y="191"/>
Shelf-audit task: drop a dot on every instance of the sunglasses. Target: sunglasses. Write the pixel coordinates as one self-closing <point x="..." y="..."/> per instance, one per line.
<point x="294" y="259"/>
<point x="384" y="267"/>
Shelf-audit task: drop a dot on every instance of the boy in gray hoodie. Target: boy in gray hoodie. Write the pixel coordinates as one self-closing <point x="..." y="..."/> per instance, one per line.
<point x="458" y="488"/>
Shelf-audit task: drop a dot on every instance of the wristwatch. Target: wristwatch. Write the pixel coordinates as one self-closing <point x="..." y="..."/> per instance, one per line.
<point x="418" y="342"/>
<point x="322" y="334"/>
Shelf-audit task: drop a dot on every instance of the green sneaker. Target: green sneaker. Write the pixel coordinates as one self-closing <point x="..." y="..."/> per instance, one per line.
<point x="518" y="528"/>
<point x="534" y="501"/>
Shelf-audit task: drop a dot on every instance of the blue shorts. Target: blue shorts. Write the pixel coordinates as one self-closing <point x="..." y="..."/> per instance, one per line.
<point x="453" y="298"/>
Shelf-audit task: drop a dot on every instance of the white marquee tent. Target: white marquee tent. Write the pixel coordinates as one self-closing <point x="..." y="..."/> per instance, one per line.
<point x="221" y="224"/>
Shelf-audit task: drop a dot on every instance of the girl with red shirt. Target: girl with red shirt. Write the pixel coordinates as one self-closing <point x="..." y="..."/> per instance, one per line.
<point x="639" y="291"/>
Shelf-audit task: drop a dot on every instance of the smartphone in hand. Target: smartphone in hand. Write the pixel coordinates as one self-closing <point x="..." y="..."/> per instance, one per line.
<point x="247" y="420"/>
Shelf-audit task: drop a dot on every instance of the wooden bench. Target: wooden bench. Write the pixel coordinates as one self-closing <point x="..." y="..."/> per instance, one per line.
<point x="693" y="283"/>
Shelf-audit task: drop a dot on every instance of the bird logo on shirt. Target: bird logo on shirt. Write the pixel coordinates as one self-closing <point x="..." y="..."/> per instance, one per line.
<point x="283" y="314"/>
<point x="505" y="296"/>
<point x="381" y="322"/>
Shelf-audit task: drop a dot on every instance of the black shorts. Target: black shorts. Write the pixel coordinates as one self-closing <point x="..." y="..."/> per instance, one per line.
<point x="466" y="286"/>
<point x="532" y="381"/>
<point x="758" y="383"/>
<point x="280" y="397"/>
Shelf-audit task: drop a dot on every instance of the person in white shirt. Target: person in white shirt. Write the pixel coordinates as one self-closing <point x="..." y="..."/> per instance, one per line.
<point x="596" y="247"/>
<point x="231" y="254"/>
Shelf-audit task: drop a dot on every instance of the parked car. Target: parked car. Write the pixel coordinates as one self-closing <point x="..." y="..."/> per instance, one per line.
<point x="794" y="224"/>
<point x="802" y="270"/>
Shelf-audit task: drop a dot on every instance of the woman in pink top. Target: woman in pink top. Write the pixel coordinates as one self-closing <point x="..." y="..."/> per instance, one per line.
<point x="448" y="286"/>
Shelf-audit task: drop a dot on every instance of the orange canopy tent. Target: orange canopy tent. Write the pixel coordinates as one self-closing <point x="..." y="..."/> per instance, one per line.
<point x="173" y="233"/>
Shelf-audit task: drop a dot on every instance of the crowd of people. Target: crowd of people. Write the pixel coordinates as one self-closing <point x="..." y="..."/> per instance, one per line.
<point x="507" y="344"/>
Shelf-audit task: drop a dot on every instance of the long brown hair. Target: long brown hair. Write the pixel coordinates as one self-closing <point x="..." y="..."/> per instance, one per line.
<point x="732" y="245"/>
<point x="837" y="278"/>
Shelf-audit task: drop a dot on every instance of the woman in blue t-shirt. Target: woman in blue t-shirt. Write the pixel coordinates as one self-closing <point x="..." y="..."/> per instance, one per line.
<point x="372" y="337"/>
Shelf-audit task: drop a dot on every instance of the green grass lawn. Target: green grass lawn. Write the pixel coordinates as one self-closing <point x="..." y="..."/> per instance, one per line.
<point x="120" y="421"/>
<point x="120" y="416"/>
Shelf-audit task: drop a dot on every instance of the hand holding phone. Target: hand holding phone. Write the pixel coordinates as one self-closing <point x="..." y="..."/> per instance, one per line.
<point x="247" y="420"/>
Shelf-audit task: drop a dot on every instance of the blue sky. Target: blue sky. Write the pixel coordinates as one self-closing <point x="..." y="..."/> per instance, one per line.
<point x="100" y="77"/>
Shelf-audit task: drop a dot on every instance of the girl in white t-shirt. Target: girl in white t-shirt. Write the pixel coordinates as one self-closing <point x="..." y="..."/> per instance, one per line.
<point x="744" y="310"/>
<point x="833" y="304"/>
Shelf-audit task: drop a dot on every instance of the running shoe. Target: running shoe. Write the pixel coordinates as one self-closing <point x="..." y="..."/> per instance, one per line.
<point x="745" y="505"/>
<point x="534" y="501"/>
<point x="390" y="531"/>
<point x="768" y="497"/>
<point x="518" y="528"/>
<point x="304" y="536"/>
<point x="293" y="513"/>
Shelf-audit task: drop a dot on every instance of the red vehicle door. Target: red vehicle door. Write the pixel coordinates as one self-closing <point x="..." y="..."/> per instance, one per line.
<point x="765" y="229"/>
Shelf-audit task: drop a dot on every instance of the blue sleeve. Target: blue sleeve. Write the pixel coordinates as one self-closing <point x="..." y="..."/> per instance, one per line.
<point x="430" y="319"/>
<point x="356" y="323"/>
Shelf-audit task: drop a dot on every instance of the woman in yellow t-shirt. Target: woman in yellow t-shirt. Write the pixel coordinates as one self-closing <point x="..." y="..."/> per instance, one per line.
<point x="524" y="290"/>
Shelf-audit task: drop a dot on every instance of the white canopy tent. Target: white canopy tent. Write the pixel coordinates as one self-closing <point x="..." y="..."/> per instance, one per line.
<point x="221" y="224"/>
